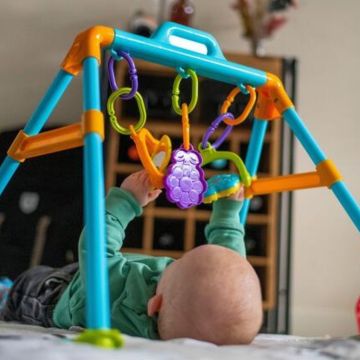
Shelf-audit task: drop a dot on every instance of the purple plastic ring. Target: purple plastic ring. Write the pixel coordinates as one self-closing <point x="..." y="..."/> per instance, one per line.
<point x="213" y="126"/>
<point x="132" y="73"/>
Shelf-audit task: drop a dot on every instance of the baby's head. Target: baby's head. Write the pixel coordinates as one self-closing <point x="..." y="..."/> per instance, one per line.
<point x="210" y="294"/>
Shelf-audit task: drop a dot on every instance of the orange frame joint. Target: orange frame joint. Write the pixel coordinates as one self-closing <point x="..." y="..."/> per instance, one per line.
<point x="87" y="44"/>
<point x="265" y="108"/>
<point x="328" y="173"/>
<point x="273" y="90"/>
<point x="15" y="150"/>
<point x="93" y="121"/>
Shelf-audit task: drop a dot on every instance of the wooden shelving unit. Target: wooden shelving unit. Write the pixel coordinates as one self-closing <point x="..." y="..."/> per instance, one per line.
<point x="166" y="230"/>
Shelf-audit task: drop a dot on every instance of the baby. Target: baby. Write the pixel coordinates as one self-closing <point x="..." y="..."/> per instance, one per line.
<point x="212" y="293"/>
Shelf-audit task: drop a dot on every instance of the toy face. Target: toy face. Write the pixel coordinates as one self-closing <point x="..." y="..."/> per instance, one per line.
<point x="186" y="157"/>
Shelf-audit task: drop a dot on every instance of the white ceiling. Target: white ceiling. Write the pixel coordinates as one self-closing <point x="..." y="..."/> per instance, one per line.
<point x="37" y="34"/>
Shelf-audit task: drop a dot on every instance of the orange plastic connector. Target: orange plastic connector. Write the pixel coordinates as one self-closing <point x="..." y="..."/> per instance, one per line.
<point x="93" y="121"/>
<point x="15" y="149"/>
<point x="328" y="173"/>
<point x="47" y="142"/>
<point x="86" y="44"/>
<point x="265" y="108"/>
<point x="274" y="89"/>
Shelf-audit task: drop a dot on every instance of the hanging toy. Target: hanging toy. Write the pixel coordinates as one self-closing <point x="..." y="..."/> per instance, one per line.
<point x="224" y="185"/>
<point x="132" y="73"/>
<point x="210" y="153"/>
<point x="185" y="181"/>
<point x="221" y="185"/>
<point x="154" y="154"/>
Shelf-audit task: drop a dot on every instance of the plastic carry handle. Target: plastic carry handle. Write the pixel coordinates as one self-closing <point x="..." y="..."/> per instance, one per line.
<point x="168" y="29"/>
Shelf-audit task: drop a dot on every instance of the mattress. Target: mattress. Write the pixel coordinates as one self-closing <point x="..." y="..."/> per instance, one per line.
<point x="18" y="342"/>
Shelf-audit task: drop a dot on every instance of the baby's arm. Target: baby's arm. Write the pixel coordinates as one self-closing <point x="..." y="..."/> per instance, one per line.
<point x="224" y="227"/>
<point x="138" y="184"/>
<point x="122" y="206"/>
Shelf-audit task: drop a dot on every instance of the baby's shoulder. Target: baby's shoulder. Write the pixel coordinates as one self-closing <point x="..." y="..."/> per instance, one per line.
<point x="156" y="263"/>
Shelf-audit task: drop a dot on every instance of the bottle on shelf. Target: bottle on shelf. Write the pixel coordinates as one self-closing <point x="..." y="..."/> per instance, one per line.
<point x="182" y="11"/>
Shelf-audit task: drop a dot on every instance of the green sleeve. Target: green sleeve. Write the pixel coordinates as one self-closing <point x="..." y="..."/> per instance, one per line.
<point x="224" y="227"/>
<point x="121" y="208"/>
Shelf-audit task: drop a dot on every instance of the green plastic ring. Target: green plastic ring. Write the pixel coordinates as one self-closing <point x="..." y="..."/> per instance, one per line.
<point x="176" y="91"/>
<point x="112" y="115"/>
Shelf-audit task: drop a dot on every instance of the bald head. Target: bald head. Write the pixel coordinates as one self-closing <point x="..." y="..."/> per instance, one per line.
<point x="211" y="294"/>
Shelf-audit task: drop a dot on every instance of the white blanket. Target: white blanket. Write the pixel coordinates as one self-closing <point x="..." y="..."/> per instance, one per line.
<point x="19" y="342"/>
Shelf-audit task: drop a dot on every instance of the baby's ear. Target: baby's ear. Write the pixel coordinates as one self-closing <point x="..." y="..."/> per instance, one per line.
<point x="154" y="304"/>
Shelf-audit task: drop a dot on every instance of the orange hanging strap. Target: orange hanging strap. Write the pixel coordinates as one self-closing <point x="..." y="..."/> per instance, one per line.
<point x="185" y="126"/>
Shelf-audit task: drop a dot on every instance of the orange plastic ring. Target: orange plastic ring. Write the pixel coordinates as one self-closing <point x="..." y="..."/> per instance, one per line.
<point x="230" y="99"/>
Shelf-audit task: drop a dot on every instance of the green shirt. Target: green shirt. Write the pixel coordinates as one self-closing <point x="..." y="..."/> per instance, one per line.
<point x="133" y="278"/>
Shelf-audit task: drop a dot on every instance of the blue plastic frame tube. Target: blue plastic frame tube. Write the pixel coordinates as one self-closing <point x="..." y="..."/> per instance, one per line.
<point x="213" y="65"/>
<point x="37" y="121"/>
<point x="317" y="155"/>
<point x="252" y="159"/>
<point x="97" y="281"/>
<point x="303" y="135"/>
<point x="347" y="201"/>
<point x="7" y="170"/>
<point x="48" y="103"/>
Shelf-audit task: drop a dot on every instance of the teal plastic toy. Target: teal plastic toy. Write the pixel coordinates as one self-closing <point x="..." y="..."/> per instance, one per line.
<point x="220" y="186"/>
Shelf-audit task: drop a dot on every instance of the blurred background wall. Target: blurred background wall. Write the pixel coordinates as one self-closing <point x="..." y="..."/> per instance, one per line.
<point x="322" y="35"/>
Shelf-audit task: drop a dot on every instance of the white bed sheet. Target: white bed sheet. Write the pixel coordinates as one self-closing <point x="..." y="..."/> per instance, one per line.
<point x="19" y="342"/>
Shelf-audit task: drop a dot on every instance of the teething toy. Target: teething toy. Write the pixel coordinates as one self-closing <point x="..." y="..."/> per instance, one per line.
<point x="220" y="186"/>
<point x="185" y="179"/>
<point x="154" y="154"/>
<point x="209" y="151"/>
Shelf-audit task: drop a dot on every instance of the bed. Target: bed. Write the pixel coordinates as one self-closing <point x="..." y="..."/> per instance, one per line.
<point x="19" y="341"/>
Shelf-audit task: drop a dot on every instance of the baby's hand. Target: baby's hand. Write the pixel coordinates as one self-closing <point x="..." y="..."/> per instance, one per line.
<point x="138" y="184"/>
<point x="239" y="195"/>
